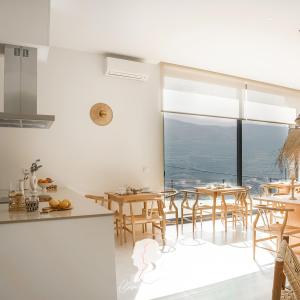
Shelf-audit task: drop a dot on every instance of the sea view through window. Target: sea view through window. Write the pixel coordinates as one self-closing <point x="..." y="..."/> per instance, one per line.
<point x="203" y="150"/>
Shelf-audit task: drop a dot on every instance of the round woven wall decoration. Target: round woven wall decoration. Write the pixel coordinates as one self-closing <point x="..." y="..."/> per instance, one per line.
<point x="101" y="114"/>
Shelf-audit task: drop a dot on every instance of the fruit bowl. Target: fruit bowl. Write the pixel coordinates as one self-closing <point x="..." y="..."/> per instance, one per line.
<point x="44" y="183"/>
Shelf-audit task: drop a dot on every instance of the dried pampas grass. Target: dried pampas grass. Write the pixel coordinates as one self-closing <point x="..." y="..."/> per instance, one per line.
<point x="289" y="153"/>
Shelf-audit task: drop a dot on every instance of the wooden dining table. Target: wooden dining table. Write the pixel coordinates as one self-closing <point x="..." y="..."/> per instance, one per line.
<point x="214" y="193"/>
<point x="294" y="205"/>
<point x="121" y="199"/>
<point x="283" y="187"/>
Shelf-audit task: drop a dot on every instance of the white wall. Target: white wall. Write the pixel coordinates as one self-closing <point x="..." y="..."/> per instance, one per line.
<point x="25" y="22"/>
<point x="76" y="152"/>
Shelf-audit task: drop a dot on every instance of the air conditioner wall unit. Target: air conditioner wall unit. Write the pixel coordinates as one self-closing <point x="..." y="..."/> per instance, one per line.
<point x="127" y="69"/>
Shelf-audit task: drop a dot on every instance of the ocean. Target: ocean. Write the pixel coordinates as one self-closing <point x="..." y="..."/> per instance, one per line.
<point x="202" y="150"/>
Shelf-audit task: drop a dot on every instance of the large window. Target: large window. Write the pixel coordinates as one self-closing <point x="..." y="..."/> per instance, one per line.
<point x="261" y="145"/>
<point x="203" y="150"/>
<point x="198" y="150"/>
<point x="220" y="128"/>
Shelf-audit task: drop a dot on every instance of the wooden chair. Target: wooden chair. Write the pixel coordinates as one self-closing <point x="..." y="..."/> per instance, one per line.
<point x="232" y="201"/>
<point x="286" y="266"/>
<point x="170" y="207"/>
<point x="274" y="223"/>
<point x="154" y="215"/>
<point x="279" y="190"/>
<point x="240" y="209"/>
<point x="249" y="201"/>
<point x="196" y="210"/>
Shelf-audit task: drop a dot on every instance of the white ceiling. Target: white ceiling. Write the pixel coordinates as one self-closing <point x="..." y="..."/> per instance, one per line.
<point x="257" y="39"/>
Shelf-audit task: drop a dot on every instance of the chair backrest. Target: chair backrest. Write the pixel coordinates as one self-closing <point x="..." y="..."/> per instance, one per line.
<point x="191" y="198"/>
<point x="170" y="200"/>
<point x="169" y="197"/>
<point x="189" y="195"/>
<point x="153" y="207"/>
<point x="272" y="215"/>
<point x="239" y="197"/>
<point x="287" y="262"/>
<point x="248" y="193"/>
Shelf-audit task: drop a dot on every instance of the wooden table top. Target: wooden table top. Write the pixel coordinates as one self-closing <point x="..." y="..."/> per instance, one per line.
<point x="280" y="184"/>
<point x="219" y="189"/>
<point x="280" y="198"/>
<point x="133" y="197"/>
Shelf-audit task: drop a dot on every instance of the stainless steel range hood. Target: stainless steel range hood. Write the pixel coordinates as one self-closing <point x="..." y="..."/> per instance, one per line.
<point x="20" y="89"/>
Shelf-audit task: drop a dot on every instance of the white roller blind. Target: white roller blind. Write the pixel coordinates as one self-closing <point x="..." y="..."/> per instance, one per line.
<point x="187" y="90"/>
<point x="200" y="98"/>
<point x="265" y="104"/>
<point x="195" y="92"/>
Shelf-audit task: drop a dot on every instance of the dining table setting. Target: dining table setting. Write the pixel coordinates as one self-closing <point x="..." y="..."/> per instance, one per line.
<point x="214" y="191"/>
<point x="121" y="200"/>
<point x="132" y="195"/>
<point x="280" y="186"/>
<point x="118" y="200"/>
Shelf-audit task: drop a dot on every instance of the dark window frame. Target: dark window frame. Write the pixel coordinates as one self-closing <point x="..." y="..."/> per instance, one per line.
<point x="239" y="135"/>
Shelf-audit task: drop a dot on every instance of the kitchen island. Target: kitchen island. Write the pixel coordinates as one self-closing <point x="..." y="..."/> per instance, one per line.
<point x="59" y="255"/>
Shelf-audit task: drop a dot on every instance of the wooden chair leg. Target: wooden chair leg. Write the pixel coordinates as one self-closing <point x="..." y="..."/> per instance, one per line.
<point x="287" y="239"/>
<point x="278" y="240"/>
<point x="163" y="232"/>
<point x="124" y="223"/>
<point x="194" y="223"/>
<point x="176" y="220"/>
<point x="243" y="220"/>
<point x="278" y="280"/>
<point x="153" y="231"/>
<point x="201" y="218"/>
<point x="225" y="219"/>
<point x="133" y="233"/>
<point x="254" y="243"/>
<point x="233" y="221"/>
<point x="117" y="227"/>
<point x="182" y="220"/>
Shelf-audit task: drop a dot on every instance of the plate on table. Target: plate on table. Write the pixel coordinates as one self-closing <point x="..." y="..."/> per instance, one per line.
<point x="50" y="209"/>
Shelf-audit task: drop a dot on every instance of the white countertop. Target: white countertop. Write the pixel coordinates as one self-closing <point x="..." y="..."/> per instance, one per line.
<point x="279" y="198"/>
<point x="82" y="208"/>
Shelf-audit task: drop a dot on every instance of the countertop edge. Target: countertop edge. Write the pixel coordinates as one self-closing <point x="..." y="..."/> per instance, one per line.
<point x="82" y="208"/>
<point x="59" y="218"/>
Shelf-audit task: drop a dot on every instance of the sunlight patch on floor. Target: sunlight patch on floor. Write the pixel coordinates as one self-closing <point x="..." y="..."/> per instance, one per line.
<point x="188" y="264"/>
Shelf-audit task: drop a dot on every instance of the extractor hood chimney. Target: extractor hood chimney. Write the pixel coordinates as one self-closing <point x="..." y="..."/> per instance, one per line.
<point x="20" y="89"/>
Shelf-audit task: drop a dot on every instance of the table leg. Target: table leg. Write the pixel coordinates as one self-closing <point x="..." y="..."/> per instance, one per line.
<point x="121" y="222"/>
<point x="214" y="211"/>
<point x="109" y="203"/>
<point x="146" y="212"/>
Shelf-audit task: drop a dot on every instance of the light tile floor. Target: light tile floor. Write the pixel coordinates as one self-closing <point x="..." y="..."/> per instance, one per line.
<point x="212" y="267"/>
